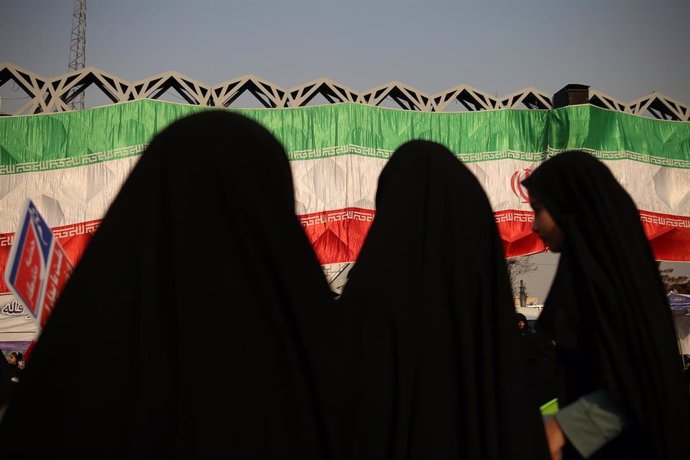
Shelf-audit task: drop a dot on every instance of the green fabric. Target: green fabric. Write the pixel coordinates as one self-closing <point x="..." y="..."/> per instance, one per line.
<point x="616" y="136"/>
<point x="60" y="140"/>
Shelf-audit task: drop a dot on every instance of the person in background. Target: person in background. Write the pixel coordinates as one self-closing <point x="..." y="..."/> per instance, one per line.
<point x="19" y="360"/>
<point x="8" y="378"/>
<point x="522" y="325"/>
<point x="16" y="360"/>
<point x="621" y="389"/>
<point x="539" y="356"/>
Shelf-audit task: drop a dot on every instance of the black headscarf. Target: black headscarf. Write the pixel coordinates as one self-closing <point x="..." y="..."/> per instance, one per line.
<point x="199" y="312"/>
<point x="439" y="371"/>
<point x="607" y="310"/>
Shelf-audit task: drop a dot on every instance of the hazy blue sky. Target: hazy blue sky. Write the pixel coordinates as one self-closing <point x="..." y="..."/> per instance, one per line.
<point x="625" y="48"/>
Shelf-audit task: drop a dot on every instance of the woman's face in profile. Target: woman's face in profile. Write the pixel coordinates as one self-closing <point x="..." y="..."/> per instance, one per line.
<point x="546" y="227"/>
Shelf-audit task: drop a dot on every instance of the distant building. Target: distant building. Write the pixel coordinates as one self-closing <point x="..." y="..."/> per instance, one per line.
<point x="530" y="301"/>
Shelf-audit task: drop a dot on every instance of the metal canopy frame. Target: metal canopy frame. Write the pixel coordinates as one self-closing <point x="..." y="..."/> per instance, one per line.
<point x="57" y="93"/>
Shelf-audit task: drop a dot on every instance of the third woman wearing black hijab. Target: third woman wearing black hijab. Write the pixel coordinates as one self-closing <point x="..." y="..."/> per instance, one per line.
<point x="607" y="312"/>
<point x="439" y="369"/>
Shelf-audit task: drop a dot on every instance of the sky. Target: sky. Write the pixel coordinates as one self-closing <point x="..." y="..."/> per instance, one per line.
<point x="624" y="48"/>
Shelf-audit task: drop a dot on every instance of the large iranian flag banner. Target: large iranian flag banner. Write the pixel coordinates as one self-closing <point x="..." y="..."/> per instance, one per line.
<point x="73" y="164"/>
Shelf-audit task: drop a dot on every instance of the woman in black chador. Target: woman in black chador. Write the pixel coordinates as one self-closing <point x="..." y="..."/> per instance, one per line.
<point x="622" y="394"/>
<point x="438" y="365"/>
<point x="202" y="317"/>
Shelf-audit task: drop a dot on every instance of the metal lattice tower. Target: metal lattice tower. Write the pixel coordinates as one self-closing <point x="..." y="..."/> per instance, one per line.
<point x="77" y="50"/>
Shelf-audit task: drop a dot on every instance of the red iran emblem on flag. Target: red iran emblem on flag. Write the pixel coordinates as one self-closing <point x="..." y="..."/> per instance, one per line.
<point x="516" y="184"/>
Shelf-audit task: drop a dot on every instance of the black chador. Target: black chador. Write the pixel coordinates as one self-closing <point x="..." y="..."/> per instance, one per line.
<point x="438" y="364"/>
<point x="199" y="312"/>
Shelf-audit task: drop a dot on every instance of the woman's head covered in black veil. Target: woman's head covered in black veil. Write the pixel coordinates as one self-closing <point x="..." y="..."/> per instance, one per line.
<point x="200" y="311"/>
<point x="607" y="305"/>
<point x="432" y="313"/>
<point x="581" y="194"/>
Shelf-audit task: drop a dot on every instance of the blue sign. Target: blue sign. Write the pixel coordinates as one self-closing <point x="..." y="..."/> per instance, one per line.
<point x="678" y="301"/>
<point x="43" y="232"/>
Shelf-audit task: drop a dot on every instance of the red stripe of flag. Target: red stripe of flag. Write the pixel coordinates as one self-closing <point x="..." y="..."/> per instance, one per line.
<point x="337" y="236"/>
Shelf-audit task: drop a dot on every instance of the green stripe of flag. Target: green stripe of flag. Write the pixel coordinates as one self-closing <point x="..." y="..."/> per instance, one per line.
<point x="54" y="141"/>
